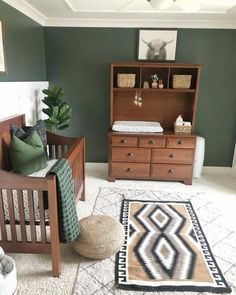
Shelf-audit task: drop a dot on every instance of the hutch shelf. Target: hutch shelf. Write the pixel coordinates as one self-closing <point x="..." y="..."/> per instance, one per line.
<point x="154" y="156"/>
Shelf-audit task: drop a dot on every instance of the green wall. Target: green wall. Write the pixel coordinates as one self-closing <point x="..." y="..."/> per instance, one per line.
<point x="79" y="59"/>
<point x="24" y="46"/>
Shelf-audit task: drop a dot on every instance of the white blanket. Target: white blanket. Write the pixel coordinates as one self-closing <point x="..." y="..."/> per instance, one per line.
<point x="137" y="126"/>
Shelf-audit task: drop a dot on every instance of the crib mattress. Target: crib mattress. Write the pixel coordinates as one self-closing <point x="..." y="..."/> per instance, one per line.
<point x="137" y="126"/>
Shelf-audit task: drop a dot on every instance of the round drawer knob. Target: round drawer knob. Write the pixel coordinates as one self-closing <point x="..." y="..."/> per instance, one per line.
<point x="180" y="142"/>
<point x="123" y="141"/>
<point x="130" y="154"/>
<point x="171" y="171"/>
<point x="172" y="155"/>
<point x="152" y="141"/>
<point x="129" y="169"/>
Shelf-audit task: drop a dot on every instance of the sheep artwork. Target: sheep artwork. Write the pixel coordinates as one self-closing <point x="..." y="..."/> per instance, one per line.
<point x="156" y="49"/>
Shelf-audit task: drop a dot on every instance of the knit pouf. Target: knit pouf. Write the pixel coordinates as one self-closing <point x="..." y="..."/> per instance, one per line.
<point x="100" y="237"/>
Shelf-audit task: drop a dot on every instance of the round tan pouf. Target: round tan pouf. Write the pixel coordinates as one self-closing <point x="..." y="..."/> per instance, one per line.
<point x="100" y="236"/>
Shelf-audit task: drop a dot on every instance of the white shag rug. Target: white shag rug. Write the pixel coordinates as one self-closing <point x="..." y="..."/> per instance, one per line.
<point x="34" y="273"/>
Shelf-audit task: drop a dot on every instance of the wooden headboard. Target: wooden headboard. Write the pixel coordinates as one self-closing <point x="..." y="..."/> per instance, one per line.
<point x="5" y="138"/>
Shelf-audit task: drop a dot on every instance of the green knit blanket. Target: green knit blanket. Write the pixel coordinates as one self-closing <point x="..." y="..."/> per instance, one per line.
<point x="67" y="216"/>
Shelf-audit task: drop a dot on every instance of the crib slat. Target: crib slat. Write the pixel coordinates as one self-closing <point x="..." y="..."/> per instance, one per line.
<point x="65" y="149"/>
<point x="50" y="151"/>
<point x="21" y="215"/>
<point x="2" y="219"/>
<point x="42" y="218"/>
<point x="58" y="151"/>
<point x="11" y="215"/>
<point x="31" y="216"/>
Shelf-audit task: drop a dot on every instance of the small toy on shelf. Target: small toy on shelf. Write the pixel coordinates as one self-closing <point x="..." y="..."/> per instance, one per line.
<point x="155" y="79"/>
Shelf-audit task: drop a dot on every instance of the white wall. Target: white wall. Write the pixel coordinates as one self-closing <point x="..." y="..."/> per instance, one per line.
<point x="22" y="97"/>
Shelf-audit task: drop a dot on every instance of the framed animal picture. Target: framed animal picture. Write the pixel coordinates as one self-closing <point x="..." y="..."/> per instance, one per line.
<point x="157" y="45"/>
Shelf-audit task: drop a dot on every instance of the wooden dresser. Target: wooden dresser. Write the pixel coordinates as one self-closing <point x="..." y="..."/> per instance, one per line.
<point x="154" y="156"/>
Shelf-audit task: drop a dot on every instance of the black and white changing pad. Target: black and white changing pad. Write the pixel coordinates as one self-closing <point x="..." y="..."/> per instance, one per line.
<point x="137" y="126"/>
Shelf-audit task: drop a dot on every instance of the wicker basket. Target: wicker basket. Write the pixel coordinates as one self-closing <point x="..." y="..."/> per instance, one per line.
<point x="182" y="81"/>
<point x="126" y="80"/>
<point x="182" y="129"/>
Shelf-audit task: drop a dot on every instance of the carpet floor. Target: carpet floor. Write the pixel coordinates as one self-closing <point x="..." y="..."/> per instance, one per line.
<point x="214" y="200"/>
<point x="100" y="274"/>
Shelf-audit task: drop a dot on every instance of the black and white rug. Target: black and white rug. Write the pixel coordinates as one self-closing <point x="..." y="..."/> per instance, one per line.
<point x="98" y="276"/>
<point x="165" y="249"/>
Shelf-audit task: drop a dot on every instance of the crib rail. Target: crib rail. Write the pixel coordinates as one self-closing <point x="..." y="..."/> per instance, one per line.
<point x="29" y="233"/>
<point x="22" y="229"/>
<point x="73" y="149"/>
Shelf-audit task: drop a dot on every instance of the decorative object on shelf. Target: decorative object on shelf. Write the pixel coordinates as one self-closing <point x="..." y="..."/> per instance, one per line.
<point x="182" y="127"/>
<point x="138" y="99"/>
<point x="2" y="54"/>
<point x="155" y="79"/>
<point x="179" y="120"/>
<point x="160" y="84"/>
<point x="182" y="81"/>
<point x="58" y="111"/>
<point x="157" y="45"/>
<point x="126" y="80"/>
<point x="145" y="84"/>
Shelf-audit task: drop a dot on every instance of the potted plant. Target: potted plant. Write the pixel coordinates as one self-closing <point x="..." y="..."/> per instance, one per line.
<point x="155" y="79"/>
<point x="58" y="111"/>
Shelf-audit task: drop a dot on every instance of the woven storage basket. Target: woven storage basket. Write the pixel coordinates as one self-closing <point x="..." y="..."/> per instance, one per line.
<point x="126" y="80"/>
<point x="182" y="81"/>
<point x="182" y="129"/>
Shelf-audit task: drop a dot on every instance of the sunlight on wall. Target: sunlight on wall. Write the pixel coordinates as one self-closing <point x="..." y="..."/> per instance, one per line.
<point x="234" y="163"/>
<point x="22" y="97"/>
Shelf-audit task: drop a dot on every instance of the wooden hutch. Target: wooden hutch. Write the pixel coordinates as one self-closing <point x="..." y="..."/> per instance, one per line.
<point x="154" y="156"/>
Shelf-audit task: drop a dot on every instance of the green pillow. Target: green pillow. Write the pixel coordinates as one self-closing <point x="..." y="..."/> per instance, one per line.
<point x="28" y="155"/>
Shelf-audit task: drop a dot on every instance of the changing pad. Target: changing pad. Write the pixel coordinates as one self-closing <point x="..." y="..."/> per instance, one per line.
<point x="137" y="126"/>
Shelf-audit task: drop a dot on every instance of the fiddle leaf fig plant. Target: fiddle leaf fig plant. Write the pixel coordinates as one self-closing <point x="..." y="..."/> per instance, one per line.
<point x="58" y="111"/>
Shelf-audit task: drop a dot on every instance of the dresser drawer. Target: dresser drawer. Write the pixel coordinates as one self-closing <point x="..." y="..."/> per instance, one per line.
<point x="181" y="142"/>
<point x="171" y="171"/>
<point x="178" y="156"/>
<point x="124" y="141"/>
<point x="130" y="154"/>
<point x="130" y="170"/>
<point x="152" y="142"/>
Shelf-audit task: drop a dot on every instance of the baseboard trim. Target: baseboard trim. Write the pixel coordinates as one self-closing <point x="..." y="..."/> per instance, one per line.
<point x="216" y="170"/>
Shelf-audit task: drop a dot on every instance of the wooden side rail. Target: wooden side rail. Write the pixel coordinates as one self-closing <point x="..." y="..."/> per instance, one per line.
<point x="24" y="235"/>
<point x="73" y="149"/>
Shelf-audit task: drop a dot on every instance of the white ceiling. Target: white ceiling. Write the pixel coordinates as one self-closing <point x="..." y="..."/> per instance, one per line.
<point x="126" y="13"/>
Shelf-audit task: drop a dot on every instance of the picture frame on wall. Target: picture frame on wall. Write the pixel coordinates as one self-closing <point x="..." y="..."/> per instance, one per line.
<point x="157" y="45"/>
<point x="2" y="53"/>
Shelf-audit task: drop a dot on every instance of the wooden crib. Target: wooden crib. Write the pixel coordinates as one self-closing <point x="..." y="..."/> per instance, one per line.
<point x="35" y="234"/>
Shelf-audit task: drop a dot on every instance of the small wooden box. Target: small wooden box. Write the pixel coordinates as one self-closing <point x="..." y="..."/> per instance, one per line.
<point x="182" y="81"/>
<point x="182" y="128"/>
<point x="126" y="80"/>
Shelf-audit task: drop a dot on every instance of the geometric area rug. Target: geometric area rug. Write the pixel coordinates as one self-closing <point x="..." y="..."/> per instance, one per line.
<point x="165" y="249"/>
<point x="97" y="277"/>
